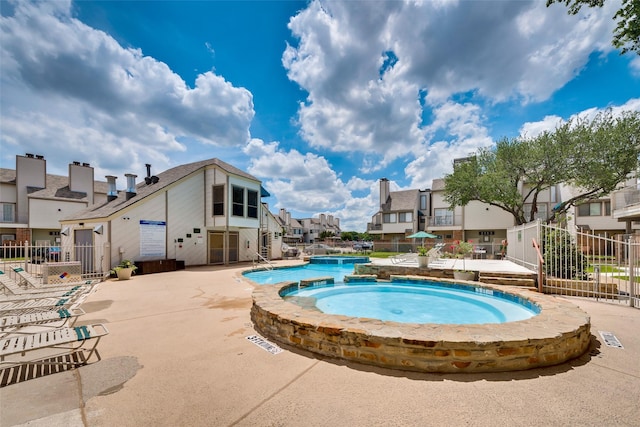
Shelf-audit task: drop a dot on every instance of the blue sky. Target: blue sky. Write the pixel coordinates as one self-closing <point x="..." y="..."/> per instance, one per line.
<point x="317" y="99"/>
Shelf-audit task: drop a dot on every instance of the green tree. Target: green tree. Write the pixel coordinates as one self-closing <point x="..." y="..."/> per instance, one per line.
<point x="562" y="258"/>
<point x="626" y="36"/>
<point x="593" y="156"/>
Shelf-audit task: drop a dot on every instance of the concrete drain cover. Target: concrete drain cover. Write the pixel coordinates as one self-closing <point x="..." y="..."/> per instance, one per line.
<point x="610" y="339"/>
<point x="266" y="345"/>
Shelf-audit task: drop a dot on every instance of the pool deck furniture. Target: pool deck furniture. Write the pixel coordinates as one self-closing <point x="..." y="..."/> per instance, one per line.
<point x="53" y="319"/>
<point x="46" y="347"/>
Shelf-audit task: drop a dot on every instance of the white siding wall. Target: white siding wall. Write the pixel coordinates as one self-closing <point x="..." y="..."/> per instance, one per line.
<point x="8" y="193"/>
<point x="477" y="217"/>
<point x="186" y="212"/>
<point x="47" y="213"/>
<point x="126" y="228"/>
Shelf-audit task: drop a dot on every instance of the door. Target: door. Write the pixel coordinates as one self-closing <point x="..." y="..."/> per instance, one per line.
<point x="216" y="248"/>
<point x="234" y="247"/>
<point x="83" y="240"/>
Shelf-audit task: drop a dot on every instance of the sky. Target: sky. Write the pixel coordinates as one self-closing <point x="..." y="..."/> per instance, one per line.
<point x="317" y="99"/>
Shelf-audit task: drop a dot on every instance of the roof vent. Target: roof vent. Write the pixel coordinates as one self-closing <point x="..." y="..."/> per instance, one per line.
<point x="150" y="179"/>
<point x="112" y="193"/>
<point x="76" y="163"/>
<point x="131" y="185"/>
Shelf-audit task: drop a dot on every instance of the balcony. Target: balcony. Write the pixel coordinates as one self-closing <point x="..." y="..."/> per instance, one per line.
<point x="625" y="204"/>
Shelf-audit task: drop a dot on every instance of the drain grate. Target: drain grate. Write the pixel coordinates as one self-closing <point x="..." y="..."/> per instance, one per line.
<point x="610" y="339"/>
<point x="266" y="345"/>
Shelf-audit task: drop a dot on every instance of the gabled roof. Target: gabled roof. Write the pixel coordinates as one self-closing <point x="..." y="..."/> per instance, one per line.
<point x="57" y="187"/>
<point x="405" y="200"/>
<point x="143" y="190"/>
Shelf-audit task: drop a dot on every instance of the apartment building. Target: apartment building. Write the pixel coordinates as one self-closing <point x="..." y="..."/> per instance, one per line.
<point x="206" y="212"/>
<point x="33" y="201"/>
<point x="487" y="225"/>
<point x="307" y="230"/>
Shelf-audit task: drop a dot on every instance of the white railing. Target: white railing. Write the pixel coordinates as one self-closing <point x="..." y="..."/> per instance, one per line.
<point x="257" y="258"/>
<point x="93" y="261"/>
<point x="604" y="267"/>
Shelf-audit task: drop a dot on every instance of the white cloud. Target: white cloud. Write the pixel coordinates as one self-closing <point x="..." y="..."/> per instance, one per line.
<point x="550" y="123"/>
<point x="112" y="104"/>
<point x="495" y="50"/>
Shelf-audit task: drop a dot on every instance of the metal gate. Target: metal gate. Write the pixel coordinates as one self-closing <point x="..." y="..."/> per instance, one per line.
<point x="578" y="263"/>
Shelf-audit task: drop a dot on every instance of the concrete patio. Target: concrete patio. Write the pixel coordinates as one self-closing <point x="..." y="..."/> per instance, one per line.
<point x="178" y="354"/>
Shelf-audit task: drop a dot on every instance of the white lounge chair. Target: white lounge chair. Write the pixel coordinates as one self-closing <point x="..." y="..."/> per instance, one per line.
<point x="45" y="347"/>
<point x="403" y="258"/>
<point x="13" y="291"/>
<point x="35" y="305"/>
<point x="50" y="319"/>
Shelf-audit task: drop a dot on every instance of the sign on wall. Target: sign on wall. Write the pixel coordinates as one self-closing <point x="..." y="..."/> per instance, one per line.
<point x="153" y="237"/>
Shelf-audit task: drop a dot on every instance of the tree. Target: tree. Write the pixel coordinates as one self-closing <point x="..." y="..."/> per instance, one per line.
<point x="593" y="156"/>
<point x="626" y="36"/>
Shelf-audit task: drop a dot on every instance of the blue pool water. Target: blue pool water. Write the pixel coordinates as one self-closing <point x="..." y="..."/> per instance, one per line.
<point x="400" y="301"/>
<point x="308" y="271"/>
<point x="418" y="302"/>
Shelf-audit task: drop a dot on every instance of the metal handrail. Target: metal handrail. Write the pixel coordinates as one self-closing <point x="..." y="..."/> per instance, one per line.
<point x="540" y="262"/>
<point x="260" y="257"/>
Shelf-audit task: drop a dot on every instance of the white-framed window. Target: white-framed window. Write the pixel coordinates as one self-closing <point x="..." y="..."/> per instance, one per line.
<point x="442" y="216"/>
<point x="237" y="201"/>
<point x="541" y="212"/>
<point x="217" y="194"/>
<point x="594" y="209"/>
<point x="389" y="218"/>
<point x="252" y="203"/>
<point x="405" y="217"/>
<point x="8" y="213"/>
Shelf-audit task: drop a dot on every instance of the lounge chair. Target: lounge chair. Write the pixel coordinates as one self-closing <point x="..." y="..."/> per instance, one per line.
<point x="29" y="295"/>
<point x="36" y="305"/>
<point x="50" y="319"/>
<point x="402" y="258"/>
<point x="46" y="347"/>
<point x="11" y="289"/>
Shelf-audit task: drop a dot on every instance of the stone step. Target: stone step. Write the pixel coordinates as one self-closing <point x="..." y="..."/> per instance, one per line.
<point x="509" y="281"/>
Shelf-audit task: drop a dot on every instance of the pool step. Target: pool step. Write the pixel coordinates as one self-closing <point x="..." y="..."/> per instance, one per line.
<point x="509" y="279"/>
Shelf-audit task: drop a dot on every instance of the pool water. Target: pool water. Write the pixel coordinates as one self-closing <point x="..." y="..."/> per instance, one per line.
<point x="295" y="274"/>
<point x="417" y="303"/>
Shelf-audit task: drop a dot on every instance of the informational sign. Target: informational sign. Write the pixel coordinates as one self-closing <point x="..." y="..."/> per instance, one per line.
<point x="153" y="238"/>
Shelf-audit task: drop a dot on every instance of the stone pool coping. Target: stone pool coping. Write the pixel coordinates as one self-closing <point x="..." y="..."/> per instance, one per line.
<point x="560" y="332"/>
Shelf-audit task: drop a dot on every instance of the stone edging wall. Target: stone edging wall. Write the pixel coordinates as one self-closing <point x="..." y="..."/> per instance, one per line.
<point x="561" y="332"/>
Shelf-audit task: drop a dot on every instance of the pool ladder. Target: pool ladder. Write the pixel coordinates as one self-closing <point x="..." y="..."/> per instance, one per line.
<point x="259" y="259"/>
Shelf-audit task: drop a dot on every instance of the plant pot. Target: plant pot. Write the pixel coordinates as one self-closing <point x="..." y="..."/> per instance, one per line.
<point x="423" y="261"/>
<point x="124" y="273"/>
<point x="464" y="275"/>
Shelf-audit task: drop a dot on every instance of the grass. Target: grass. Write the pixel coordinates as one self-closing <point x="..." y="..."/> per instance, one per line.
<point x="605" y="269"/>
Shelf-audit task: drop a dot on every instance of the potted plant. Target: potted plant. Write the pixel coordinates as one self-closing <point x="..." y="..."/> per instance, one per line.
<point x="462" y="249"/>
<point x="124" y="270"/>
<point x="423" y="258"/>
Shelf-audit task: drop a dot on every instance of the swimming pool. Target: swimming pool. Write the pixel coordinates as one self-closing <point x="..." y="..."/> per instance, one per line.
<point x="295" y="274"/>
<point x="560" y="332"/>
<point x="415" y="302"/>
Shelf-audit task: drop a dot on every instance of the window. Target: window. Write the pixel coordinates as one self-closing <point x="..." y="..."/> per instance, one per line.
<point x="8" y="212"/>
<point x="389" y="218"/>
<point x="592" y="209"/>
<point x="552" y="194"/>
<point x="541" y="213"/>
<point x="423" y="202"/>
<point x="218" y="200"/>
<point x="238" y="201"/>
<point x="252" y="204"/>
<point x="442" y="217"/>
<point x="405" y="217"/>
